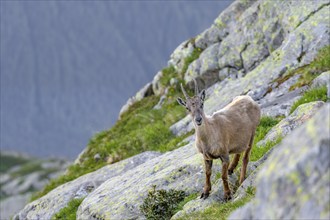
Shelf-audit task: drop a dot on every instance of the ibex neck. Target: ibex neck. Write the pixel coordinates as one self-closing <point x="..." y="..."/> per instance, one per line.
<point x="202" y="129"/>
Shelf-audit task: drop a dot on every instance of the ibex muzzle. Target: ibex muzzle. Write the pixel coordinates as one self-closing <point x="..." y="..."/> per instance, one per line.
<point x="194" y="104"/>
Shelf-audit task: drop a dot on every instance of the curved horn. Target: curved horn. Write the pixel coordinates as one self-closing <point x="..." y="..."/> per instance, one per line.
<point x="196" y="87"/>
<point x="184" y="92"/>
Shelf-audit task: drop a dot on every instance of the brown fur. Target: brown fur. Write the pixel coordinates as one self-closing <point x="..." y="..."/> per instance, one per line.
<point x="228" y="131"/>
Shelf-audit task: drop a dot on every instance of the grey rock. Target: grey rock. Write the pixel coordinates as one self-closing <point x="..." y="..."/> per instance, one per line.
<point x="222" y="25"/>
<point x="120" y="198"/>
<point x="322" y="80"/>
<point x="207" y="66"/>
<point x="146" y="91"/>
<point x="297" y="118"/>
<point x="280" y="99"/>
<point x="216" y="196"/>
<point x="258" y="32"/>
<point x="180" y="53"/>
<point x="97" y="157"/>
<point x="278" y="62"/>
<point x="156" y="85"/>
<point x="258" y="93"/>
<point x="48" y="205"/>
<point x="294" y="181"/>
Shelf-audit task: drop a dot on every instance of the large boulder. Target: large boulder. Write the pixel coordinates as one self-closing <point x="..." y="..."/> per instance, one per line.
<point x="48" y="205"/>
<point x="259" y="29"/>
<point x="121" y="197"/>
<point x="277" y="63"/>
<point x="294" y="181"/>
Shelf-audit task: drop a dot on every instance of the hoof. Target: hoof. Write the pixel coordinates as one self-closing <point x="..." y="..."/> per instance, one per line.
<point x="205" y="195"/>
<point x="227" y="196"/>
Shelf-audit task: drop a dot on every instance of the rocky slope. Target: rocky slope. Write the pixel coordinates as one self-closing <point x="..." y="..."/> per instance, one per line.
<point x="20" y="176"/>
<point x="257" y="48"/>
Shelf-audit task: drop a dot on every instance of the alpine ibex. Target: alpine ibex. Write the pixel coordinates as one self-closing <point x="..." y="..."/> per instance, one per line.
<point x="228" y="131"/>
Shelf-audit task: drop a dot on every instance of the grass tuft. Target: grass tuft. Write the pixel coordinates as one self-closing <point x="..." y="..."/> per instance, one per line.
<point x="161" y="204"/>
<point x="70" y="211"/>
<point x="309" y="72"/>
<point x="188" y="60"/>
<point x="266" y="123"/>
<point x="316" y="94"/>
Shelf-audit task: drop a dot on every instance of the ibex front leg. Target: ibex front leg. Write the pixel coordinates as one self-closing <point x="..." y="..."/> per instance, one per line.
<point x="224" y="171"/>
<point x="208" y="172"/>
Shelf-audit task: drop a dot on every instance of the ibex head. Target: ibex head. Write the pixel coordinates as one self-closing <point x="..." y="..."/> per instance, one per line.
<point x="194" y="104"/>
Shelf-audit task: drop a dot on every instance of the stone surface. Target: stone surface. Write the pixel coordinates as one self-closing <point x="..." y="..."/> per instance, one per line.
<point x="259" y="29"/>
<point x="216" y="195"/>
<point x="48" y="205"/>
<point x="121" y="197"/>
<point x="297" y="118"/>
<point x="180" y="53"/>
<point x="300" y="190"/>
<point x="278" y="102"/>
<point x="279" y="60"/>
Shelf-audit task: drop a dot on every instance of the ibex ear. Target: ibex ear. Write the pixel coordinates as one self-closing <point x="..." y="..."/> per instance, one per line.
<point x="202" y="95"/>
<point x="181" y="102"/>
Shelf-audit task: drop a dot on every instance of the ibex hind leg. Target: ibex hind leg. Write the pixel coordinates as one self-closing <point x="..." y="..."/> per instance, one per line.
<point x="233" y="164"/>
<point x="246" y="158"/>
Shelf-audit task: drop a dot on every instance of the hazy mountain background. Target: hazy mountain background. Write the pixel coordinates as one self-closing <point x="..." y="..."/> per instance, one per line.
<point x="68" y="67"/>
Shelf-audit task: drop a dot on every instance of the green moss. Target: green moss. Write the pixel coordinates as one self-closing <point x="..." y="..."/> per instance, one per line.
<point x="223" y="210"/>
<point x="68" y="212"/>
<point x="309" y="72"/>
<point x="161" y="204"/>
<point x="316" y="94"/>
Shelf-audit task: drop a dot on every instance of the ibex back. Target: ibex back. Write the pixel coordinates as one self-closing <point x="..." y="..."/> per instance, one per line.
<point x="228" y="131"/>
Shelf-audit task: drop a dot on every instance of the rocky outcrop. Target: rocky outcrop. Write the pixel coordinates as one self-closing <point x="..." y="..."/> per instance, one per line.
<point x="296" y="42"/>
<point x="301" y="189"/>
<point x="121" y="197"/>
<point x="48" y="205"/>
